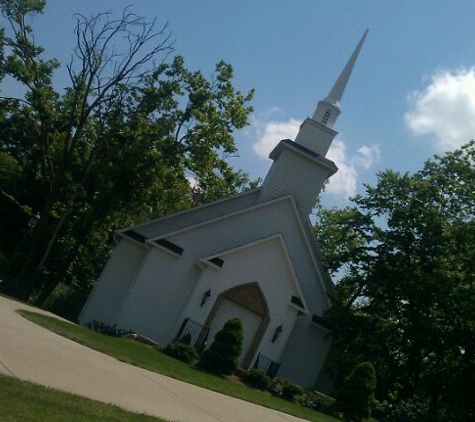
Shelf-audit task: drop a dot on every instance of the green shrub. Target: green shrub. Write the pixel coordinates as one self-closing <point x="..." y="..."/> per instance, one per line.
<point x="65" y="301"/>
<point x="256" y="379"/>
<point x="317" y="401"/>
<point x="222" y="356"/>
<point x="276" y="387"/>
<point x="291" y="390"/>
<point x="285" y="389"/>
<point x="186" y="339"/>
<point x="181" y="351"/>
<point x="107" y="330"/>
<point x="356" y="395"/>
<point x="414" y="409"/>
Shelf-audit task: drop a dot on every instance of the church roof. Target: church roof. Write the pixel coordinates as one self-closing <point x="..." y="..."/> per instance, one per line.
<point x="151" y="233"/>
<point x="196" y="215"/>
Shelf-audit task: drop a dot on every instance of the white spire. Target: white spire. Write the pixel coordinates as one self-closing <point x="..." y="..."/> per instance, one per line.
<point x="336" y="93"/>
<point x="323" y="113"/>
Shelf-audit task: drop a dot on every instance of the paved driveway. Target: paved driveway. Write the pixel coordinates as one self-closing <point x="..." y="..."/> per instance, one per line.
<point x="33" y="353"/>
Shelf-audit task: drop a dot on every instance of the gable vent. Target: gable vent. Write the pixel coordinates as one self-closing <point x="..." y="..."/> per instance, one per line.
<point x="170" y="246"/>
<point x="136" y="236"/>
<point x="297" y="301"/>
<point x="217" y="261"/>
<point x="320" y="321"/>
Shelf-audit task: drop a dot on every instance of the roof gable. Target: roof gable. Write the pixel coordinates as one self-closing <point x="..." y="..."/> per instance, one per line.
<point x="157" y="227"/>
<point x="299" y="301"/>
<point x="304" y="233"/>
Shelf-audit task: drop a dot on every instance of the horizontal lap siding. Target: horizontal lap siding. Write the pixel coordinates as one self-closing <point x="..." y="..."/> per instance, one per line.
<point x="104" y="302"/>
<point x="164" y="285"/>
<point x="266" y="264"/>
<point x="159" y="295"/>
<point x="222" y="235"/>
<point x="305" y="353"/>
<point x="294" y="175"/>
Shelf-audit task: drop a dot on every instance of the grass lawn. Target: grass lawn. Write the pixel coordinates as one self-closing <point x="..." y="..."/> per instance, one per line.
<point x="24" y="401"/>
<point x="139" y="354"/>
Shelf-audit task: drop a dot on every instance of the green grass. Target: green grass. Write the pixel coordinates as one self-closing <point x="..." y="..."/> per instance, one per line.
<point x="24" y="401"/>
<point x="139" y="354"/>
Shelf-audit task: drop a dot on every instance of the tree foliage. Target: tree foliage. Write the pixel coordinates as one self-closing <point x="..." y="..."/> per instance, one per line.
<point x="356" y="395"/>
<point x="406" y="295"/>
<point x="115" y="147"/>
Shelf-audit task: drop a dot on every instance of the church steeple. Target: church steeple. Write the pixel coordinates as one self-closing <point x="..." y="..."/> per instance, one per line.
<point x="317" y="133"/>
<point x="300" y="168"/>
<point x="328" y="109"/>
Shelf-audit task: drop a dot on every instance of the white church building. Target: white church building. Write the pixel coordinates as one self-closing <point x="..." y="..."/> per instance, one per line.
<point x="252" y="256"/>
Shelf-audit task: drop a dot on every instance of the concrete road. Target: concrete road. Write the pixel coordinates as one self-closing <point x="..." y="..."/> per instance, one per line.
<point x="33" y="353"/>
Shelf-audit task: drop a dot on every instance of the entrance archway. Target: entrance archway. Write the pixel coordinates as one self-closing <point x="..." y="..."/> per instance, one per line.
<point x="250" y="298"/>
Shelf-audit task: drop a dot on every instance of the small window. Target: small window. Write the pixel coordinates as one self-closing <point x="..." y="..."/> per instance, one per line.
<point x="326" y="116"/>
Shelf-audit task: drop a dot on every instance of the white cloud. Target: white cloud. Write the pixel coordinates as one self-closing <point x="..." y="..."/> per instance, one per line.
<point x="445" y="109"/>
<point x="270" y="133"/>
<point x="342" y="184"/>
<point x="366" y="156"/>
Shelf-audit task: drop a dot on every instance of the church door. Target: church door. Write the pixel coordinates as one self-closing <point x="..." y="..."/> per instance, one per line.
<point x="250" y="321"/>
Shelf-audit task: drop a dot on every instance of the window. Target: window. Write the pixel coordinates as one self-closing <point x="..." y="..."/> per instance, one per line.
<point x="326" y="116"/>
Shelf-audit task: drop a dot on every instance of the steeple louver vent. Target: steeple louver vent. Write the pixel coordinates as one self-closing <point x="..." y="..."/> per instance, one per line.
<point x="326" y="116"/>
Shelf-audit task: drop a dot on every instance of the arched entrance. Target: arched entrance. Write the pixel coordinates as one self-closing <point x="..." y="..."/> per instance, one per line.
<point x="247" y="302"/>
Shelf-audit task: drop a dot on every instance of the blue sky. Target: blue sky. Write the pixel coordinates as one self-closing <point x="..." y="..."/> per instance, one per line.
<point x="412" y="93"/>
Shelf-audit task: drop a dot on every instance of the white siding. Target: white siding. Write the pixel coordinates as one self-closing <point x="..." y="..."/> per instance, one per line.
<point x="167" y="288"/>
<point x="265" y="263"/>
<point x="225" y="234"/>
<point x="104" y="302"/>
<point x="293" y="174"/>
<point x="316" y="136"/>
<point x="304" y="353"/>
<point x="159" y="294"/>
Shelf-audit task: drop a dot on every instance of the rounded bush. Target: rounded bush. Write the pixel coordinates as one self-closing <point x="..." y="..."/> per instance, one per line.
<point x="186" y="339"/>
<point x="181" y="351"/>
<point x="222" y="356"/>
<point x="276" y="387"/>
<point x="285" y="389"/>
<point x="290" y="390"/>
<point x="317" y="401"/>
<point x="356" y="395"/>
<point x="256" y="379"/>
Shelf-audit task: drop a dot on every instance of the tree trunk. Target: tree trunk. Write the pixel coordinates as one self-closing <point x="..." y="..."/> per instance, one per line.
<point x="29" y="265"/>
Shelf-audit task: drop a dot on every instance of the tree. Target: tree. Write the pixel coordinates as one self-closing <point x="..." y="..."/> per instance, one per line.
<point x="356" y="395"/>
<point x="406" y="295"/>
<point x="117" y="145"/>
<point x="222" y="356"/>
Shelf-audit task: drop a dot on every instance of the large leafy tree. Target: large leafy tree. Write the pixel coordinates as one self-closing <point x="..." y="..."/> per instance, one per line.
<point x="115" y="147"/>
<point x="405" y="253"/>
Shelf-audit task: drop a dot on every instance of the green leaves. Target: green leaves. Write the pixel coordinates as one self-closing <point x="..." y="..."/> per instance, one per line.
<point x="118" y="145"/>
<point x="406" y="256"/>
